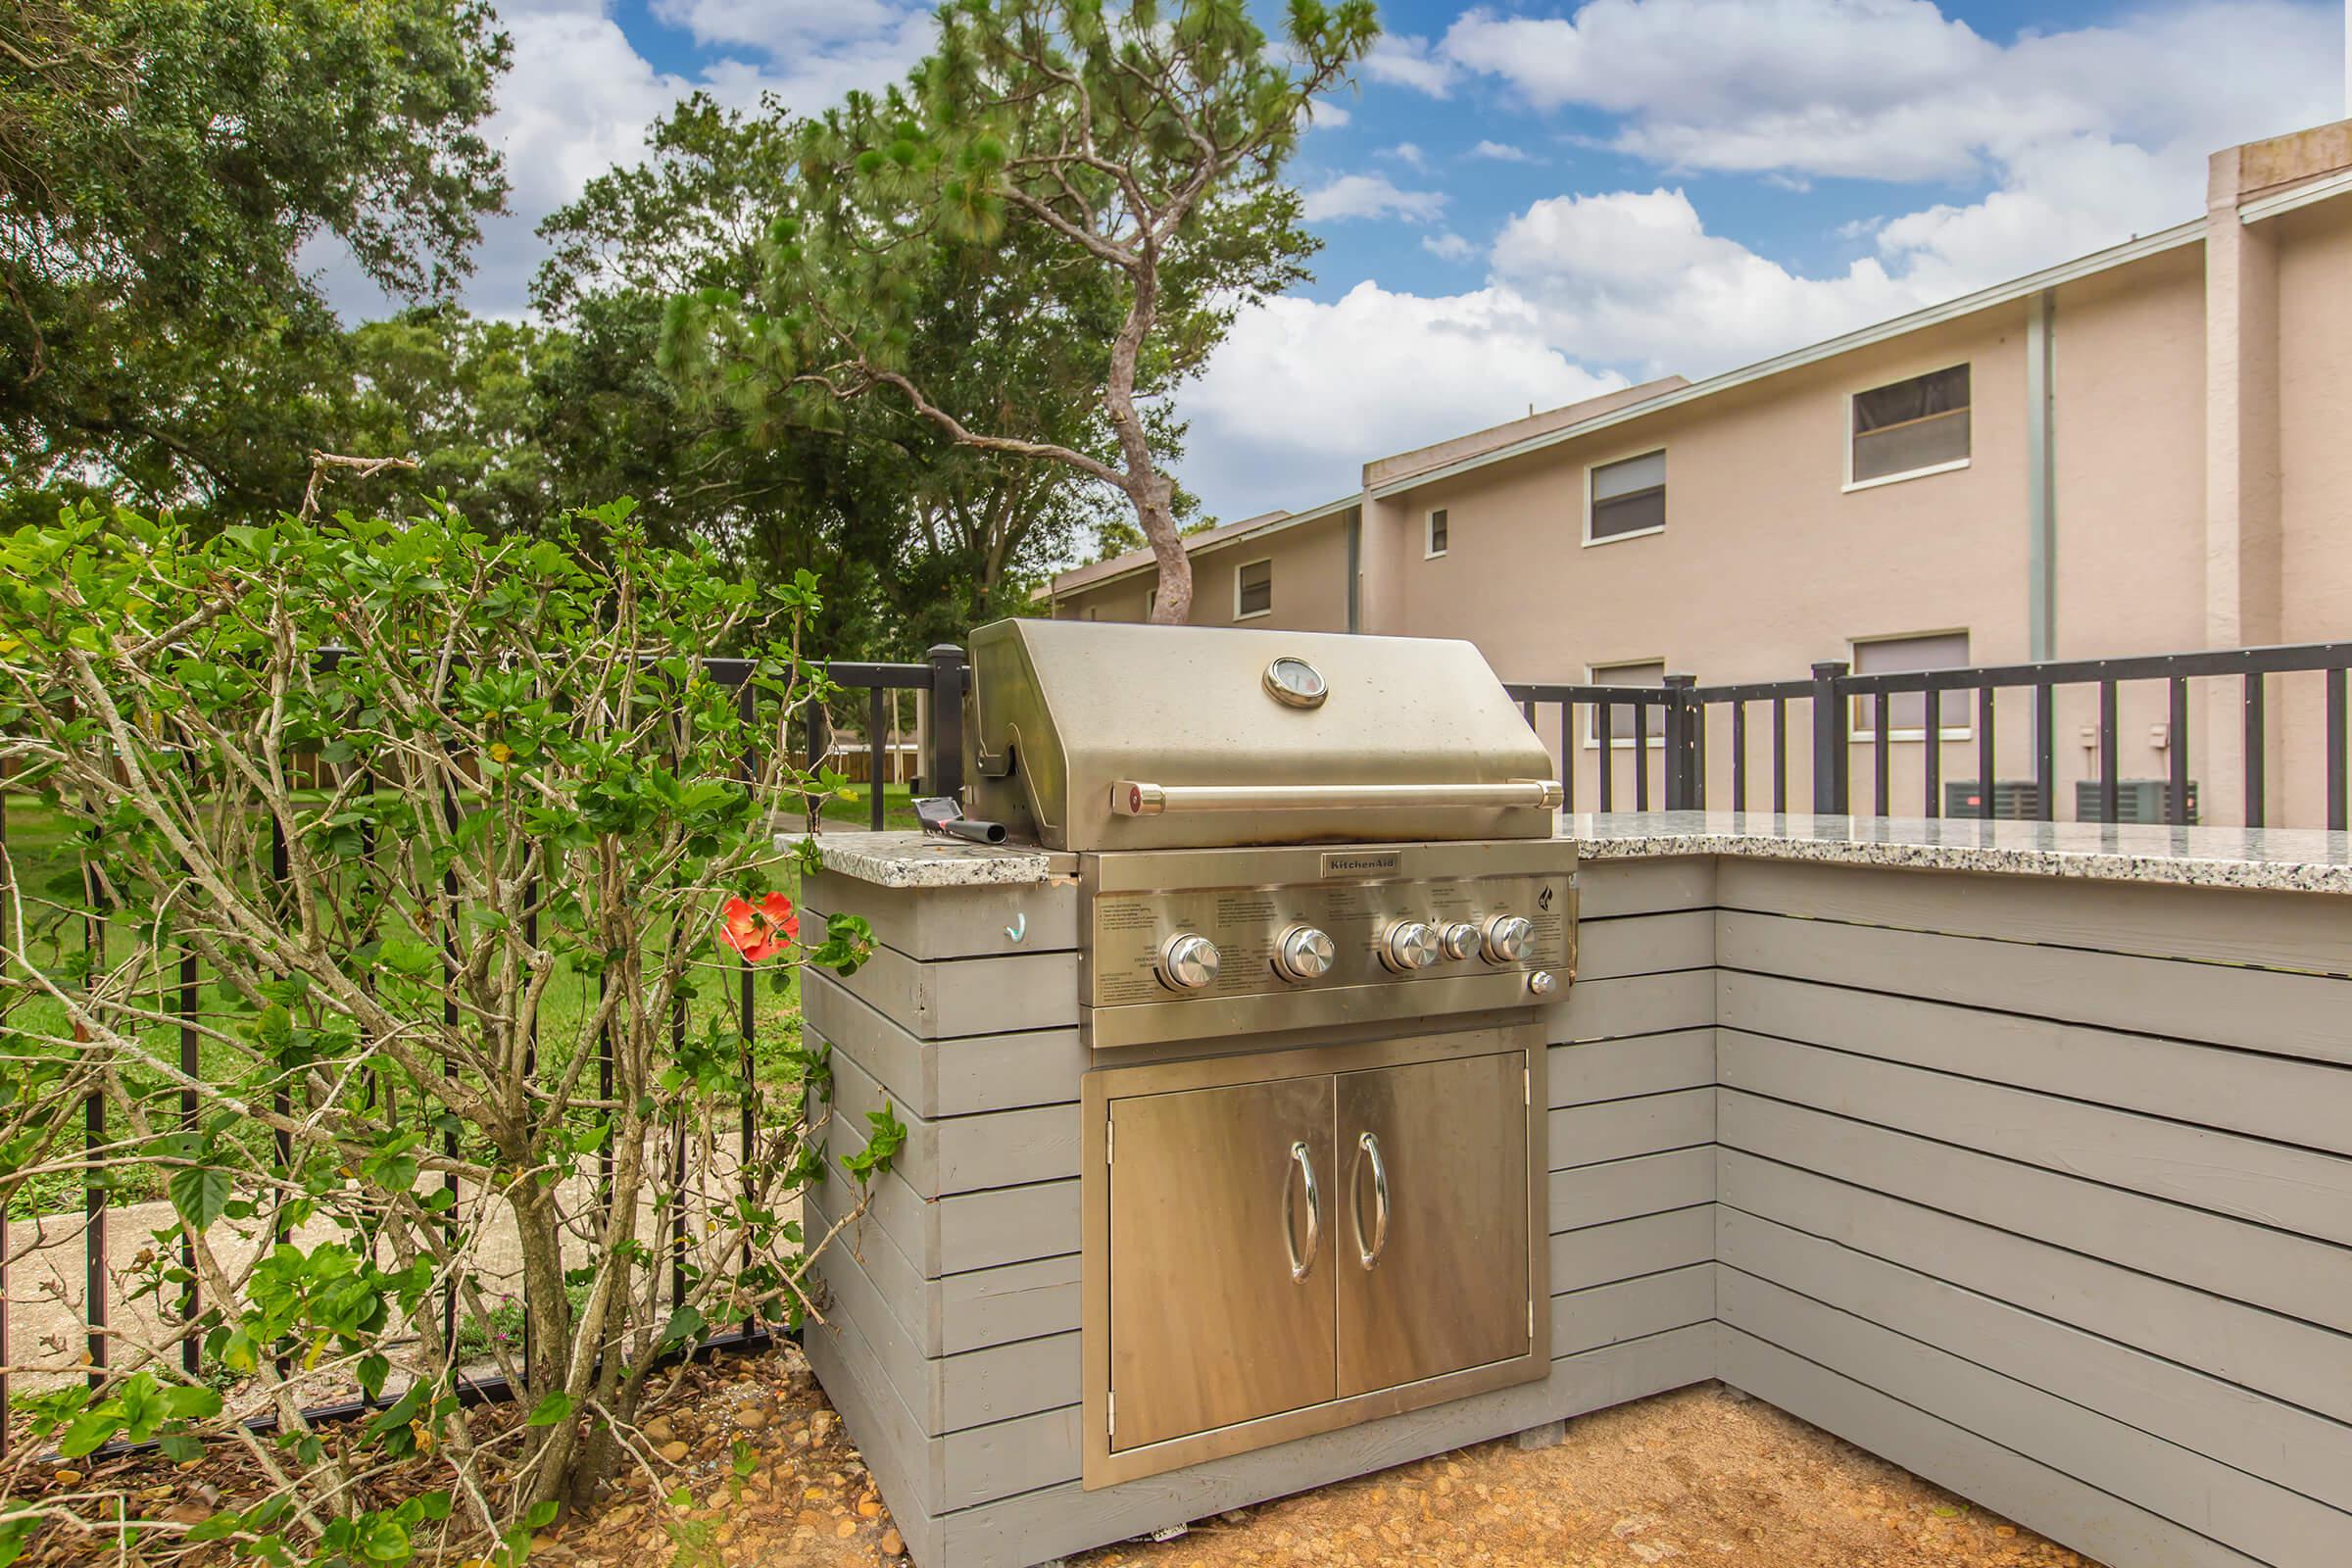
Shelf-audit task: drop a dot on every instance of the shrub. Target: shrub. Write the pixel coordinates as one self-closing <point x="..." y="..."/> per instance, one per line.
<point x="463" y="977"/>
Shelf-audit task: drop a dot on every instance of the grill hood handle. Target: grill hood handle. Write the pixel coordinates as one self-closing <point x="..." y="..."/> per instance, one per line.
<point x="1137" y="798"/>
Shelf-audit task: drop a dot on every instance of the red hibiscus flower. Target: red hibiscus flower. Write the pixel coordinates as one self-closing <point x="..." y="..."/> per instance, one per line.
<point x="759" y="930"/>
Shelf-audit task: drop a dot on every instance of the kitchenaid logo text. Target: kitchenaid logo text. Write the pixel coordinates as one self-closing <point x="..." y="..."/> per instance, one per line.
<point x="1357" y="865"/>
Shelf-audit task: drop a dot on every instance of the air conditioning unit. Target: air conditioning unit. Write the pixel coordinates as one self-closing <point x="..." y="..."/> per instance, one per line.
<point x="2016" y="799"/>
<point x="2137" y="799"/>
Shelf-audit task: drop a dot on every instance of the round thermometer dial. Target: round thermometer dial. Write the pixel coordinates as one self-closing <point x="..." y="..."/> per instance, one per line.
<point x="1296" y="682"/>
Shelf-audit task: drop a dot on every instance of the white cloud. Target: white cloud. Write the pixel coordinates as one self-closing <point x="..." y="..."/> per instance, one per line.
<point x="1327" y="114"/>
<point x="1502" y="152"/>
<point x="581" y="97"/>
<point x="1409" y="62"/>
<point x="1370" y="196"/>
<point x="1300" y="393"/>
<point x="1409" y="153"/>
<point x="1448" y="246"/>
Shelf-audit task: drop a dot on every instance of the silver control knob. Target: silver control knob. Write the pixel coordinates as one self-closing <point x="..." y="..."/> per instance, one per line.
<point x="1188" y="962"/>
<point x="1511" y="939"/>
<point x="1304" y="954"/>
<point x="1543" y="983"/>
<point x="1408" y="945"/>
<point x="1460" y="940"/>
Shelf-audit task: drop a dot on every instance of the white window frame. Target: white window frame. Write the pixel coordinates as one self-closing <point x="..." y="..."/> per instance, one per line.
<point x="1241" y="566"/>
<point x="1151" y="604"/>
<point x="1635" y="533"/>
<point x="1858" y="704"/>
<point x="1955" y="465"/>
<point x="1592" y="677"/>
<point x="1431" y="550"/>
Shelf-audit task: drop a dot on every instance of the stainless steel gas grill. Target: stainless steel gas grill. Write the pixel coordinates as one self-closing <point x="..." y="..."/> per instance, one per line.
<point x="1319" y="902"/>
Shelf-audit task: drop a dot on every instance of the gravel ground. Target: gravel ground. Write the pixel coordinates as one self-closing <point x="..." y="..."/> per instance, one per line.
<point x="1703" y="1476"/>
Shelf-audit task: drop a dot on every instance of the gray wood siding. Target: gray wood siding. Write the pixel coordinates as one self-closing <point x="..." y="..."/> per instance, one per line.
<point x="2040" y="1188"/>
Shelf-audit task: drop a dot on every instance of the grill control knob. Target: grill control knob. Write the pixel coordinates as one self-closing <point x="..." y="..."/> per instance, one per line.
<point x="1511" y="939"/>
<point x="1188" y="962"/>
<point x="1409" y="944"/>
<point x="1459" y="940"/>
<point x="1543" y="983"/>
<point x="1304" y="954"/>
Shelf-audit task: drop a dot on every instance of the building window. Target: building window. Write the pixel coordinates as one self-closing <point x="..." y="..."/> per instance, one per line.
<point x="1151" y="603"/>
<point x="1909" y="428"/>
<point x="1435" y="545"/>
<point x="1907" y="711"/>
<point x="1626" y="498"/>
<point x="1625" y="719"/>
<point x="1252" y="589"/>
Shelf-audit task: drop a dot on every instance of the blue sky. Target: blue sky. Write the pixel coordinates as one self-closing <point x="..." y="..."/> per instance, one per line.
<point x="1526" y="202"/>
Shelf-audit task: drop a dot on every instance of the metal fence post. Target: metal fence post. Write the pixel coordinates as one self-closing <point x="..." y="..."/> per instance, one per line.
<point x="942" y="760"/>
<point x="1682" y="743"/>
<point x="1832" y="762"/>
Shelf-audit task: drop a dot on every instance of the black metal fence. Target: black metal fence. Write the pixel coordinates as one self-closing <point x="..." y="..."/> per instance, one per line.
<point x="1674" y="720"/>
<point x="940" y="680"/>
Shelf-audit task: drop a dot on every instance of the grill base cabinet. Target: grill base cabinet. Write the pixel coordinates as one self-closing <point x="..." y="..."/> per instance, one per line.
<point x="1296" y="1242"/>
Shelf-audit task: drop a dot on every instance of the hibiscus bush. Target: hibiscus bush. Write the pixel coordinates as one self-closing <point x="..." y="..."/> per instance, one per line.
<point x="468" y="849"/>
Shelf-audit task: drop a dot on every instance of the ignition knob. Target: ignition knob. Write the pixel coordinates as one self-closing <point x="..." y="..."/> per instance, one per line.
<point x="1188" y="962"/>
<point x="1459" y="940"/>
<point x="1511" y="939"/>
<point x="1304" y="954"/>
<point x="1409" y="944"/>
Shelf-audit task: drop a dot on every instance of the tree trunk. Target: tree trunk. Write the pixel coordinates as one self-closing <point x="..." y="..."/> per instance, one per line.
<point x="1154" y="509"/>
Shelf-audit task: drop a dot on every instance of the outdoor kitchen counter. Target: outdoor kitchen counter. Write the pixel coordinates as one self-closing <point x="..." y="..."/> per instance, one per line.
<point x="2262" y="859"/>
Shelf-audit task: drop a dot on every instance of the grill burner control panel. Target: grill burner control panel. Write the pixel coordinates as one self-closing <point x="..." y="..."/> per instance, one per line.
<point x="1178" y="961"/>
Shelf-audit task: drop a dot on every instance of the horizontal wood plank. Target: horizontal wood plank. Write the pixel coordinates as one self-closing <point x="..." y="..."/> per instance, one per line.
<point x="2303" y="1452"/>
<point x="2278" y="1098"/>
<point x="2297" y="1190"/>
<point x="1632" y="1310"/>
<point x="1640" y="1005"/>
<point x="2217" y="926"/>
<point x="2285" y="1014"/>
<point x="2291" y="1361"/>
<point x="961" y="1153"/>
<point x="2083" y="1517"/>
<point x="962" y="1077"/>
<point x="1618" y="1069"/>
<point x="1627" y="1189"/>
<point x="2265" y="1521"/>
<point x="1606" y="887"/>
<point x="1600" y="1255"/>
<point x="962" y="996"/>
<point x="2288" y="1274"/>
<point x="1645" y="944"/>
<point x="966" y="922"/>
<point x="1589" y="1135"/>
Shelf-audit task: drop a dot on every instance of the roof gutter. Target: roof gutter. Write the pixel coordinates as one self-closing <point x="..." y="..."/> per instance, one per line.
<point x="2189" y="233"/>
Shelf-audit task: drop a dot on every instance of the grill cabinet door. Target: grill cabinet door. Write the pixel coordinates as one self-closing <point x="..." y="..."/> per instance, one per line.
<point x="1208" y="1325"/>
<point x="1447" y="1288"/>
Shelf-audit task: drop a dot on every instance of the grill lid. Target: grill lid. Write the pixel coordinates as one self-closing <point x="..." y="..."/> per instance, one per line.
<point x="1098" y="735"/>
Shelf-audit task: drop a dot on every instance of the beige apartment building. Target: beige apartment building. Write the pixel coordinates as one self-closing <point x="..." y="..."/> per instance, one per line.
<point x="2144" y="451"/>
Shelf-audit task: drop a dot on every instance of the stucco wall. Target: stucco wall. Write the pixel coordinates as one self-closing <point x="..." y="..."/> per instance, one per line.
<point x="2315" y="448"/>
<point x="1310" y="582"/>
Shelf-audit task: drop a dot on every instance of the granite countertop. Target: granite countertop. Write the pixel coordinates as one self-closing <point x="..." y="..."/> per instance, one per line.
<point x="915" y="859"/>
<point x="2274" y="860"/>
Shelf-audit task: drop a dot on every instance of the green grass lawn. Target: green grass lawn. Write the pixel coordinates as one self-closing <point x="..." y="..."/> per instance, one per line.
<point x="898" y="808"/>
<point x="40" y="845"/>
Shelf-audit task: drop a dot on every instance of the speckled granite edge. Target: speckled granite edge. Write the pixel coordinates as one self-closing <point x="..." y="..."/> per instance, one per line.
<point x="905" y="860"/>
<point x="2276" y="861"/>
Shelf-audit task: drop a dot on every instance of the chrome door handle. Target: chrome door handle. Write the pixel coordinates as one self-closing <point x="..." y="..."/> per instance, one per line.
<point x="1301" y="1267"/>
<point x="1367" y="1145"/>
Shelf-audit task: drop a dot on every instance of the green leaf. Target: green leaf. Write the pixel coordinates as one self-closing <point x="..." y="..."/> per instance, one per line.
<point x="550" y="1410"/>
<point x="192" y="1403"/>
<point x="200" y="1193"/>
<point x="93" y="1430"/>
<point x="542" y="1515"/>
